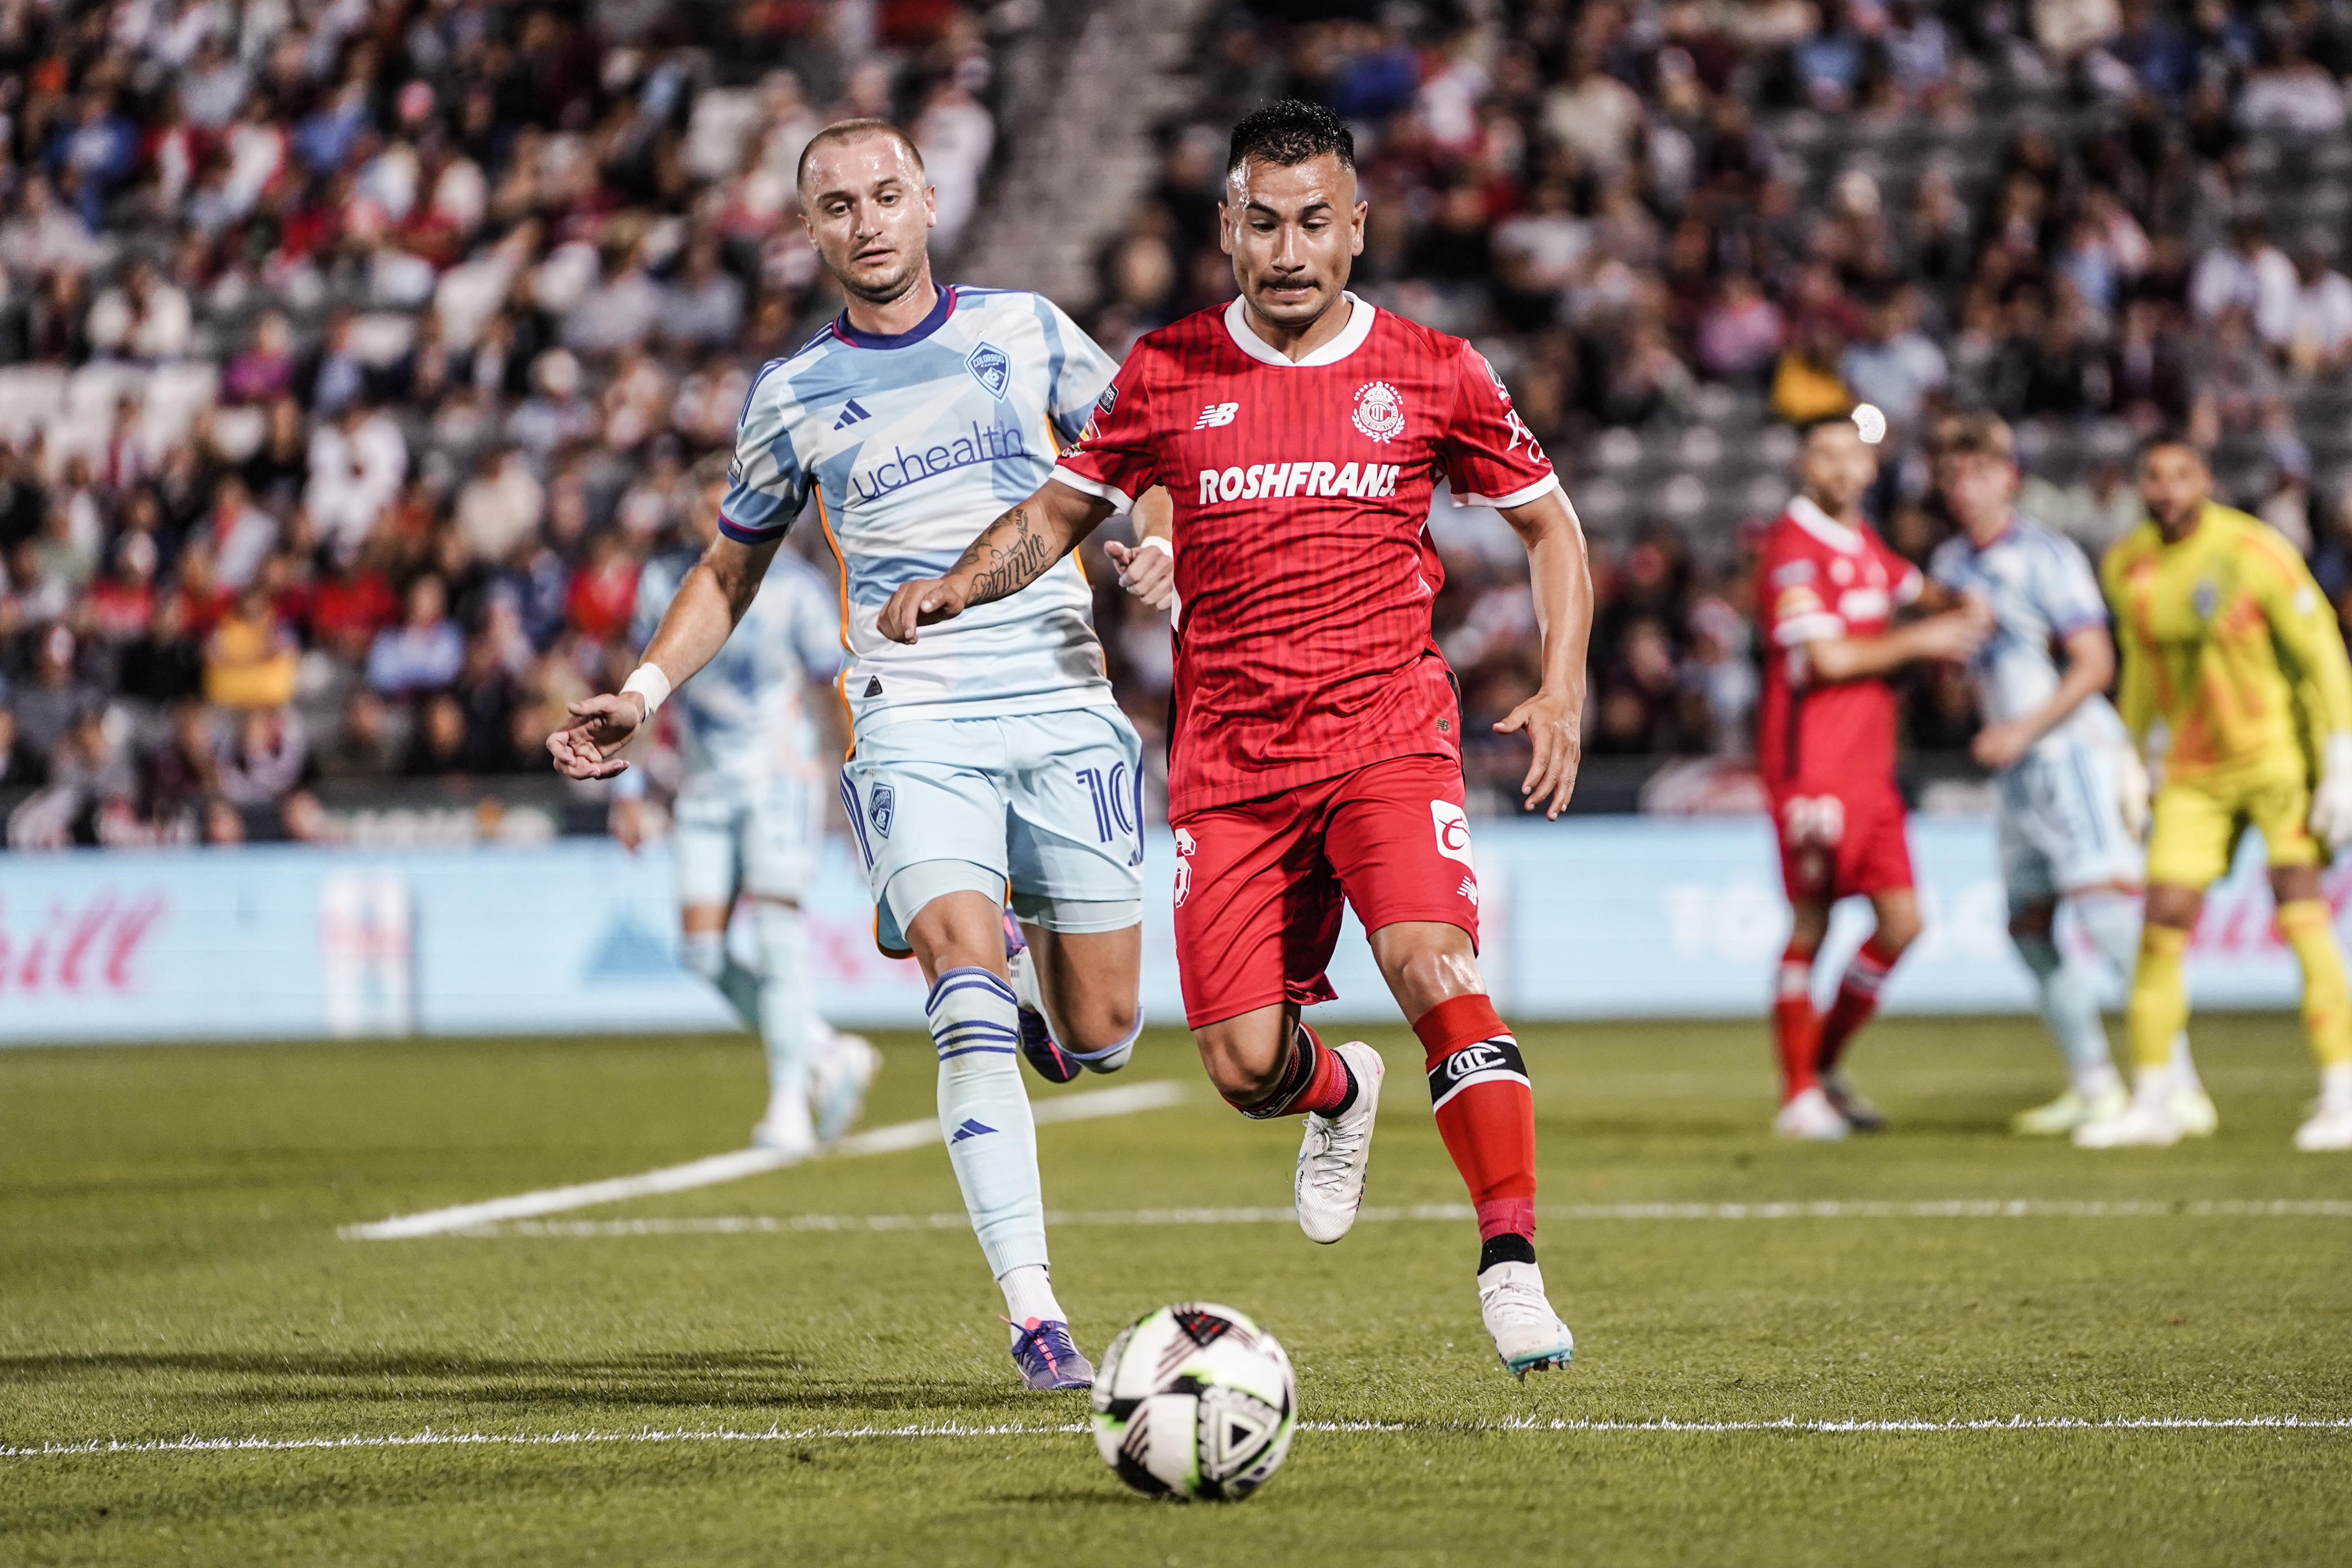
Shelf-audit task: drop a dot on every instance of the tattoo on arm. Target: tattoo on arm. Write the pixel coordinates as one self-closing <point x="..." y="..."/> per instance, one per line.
<point x="1009" y="556"/>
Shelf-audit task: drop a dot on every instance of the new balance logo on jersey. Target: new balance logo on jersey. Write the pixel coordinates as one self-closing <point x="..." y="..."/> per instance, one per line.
<point x="1269" y="481"/>
<point x="971" y="1128"/>
<point x="1494" y="1061"/>
<point x="1216" y="414"/>
<point x="851" y="415"/>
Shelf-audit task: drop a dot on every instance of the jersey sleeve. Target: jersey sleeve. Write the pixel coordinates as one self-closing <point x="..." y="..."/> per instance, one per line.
<point x="1114" y="456"/>
<point x="766" y="485"/>
<point x="2066" y="593"/>
<point x="1489" y="455"/>
<point x="2305" y="631"/>
<point x="1796" y="609"/>
<point x="1077" y="371"/>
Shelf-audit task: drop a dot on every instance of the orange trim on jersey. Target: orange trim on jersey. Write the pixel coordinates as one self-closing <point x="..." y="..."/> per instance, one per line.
<point x="841" y="681"/>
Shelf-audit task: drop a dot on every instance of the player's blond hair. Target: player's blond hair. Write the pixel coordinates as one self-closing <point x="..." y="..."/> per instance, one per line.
<point x="1974" y="435"/>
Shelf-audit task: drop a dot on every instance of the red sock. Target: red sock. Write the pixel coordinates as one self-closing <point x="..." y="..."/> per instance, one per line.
<point x="1313" y="1079"/>
<point x="1857" y="1001"/>
<point x="1796" y="1028"/>
<point x="1486" y="1111"/>
<point x="1328" y="1079"/>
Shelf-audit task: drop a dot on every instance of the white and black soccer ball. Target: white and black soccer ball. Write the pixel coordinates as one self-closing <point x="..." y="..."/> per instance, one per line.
<point x="1195" y="1401"/>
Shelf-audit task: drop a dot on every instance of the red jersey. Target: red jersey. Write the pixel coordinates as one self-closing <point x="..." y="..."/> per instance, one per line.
<point x="1304" y="570"/>
<point x="1821" y="579"/>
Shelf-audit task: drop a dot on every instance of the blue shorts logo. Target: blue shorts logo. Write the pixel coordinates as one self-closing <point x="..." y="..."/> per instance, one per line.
<point x="992" y="366"/>
<point x="881" y="807"/>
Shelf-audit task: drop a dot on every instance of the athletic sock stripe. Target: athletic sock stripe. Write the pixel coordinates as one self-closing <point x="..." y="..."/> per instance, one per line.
<point x="979" y="1051"/>
<point x="1495" y="1061"/>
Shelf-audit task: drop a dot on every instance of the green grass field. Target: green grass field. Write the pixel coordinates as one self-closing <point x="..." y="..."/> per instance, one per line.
<point x="169" y="1265"/>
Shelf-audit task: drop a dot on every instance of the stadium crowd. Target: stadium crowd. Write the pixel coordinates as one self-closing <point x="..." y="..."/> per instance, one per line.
<point x="1708" y="218"/>
<point x="353" y="354"/>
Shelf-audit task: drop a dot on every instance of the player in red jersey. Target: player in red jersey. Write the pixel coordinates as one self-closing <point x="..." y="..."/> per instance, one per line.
<point x="1317" y="755"/>
<point x="1827" y="592"/>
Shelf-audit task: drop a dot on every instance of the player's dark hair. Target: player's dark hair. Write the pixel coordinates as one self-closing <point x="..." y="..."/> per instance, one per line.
<point x="849" y="130"/>
<point x="2169" y="436"/>
<point x="1806" y="428"/>
<point x="1288" y="132"/>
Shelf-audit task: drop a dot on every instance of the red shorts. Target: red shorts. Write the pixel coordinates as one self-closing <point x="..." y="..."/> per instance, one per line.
<point x="1837" y="843"/>
<point x="1258" y="885"/>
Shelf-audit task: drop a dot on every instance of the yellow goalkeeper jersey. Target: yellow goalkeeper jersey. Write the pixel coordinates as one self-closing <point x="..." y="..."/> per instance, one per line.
<point x="2225" y="638"/>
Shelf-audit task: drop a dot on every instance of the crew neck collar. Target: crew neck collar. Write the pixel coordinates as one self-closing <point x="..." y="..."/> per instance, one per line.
<point x="942" y="309"/>
<point x="1351" y="336"/>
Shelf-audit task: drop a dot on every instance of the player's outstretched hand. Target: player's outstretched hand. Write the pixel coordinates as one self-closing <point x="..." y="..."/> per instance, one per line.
<point x="1557" y="729"/>
<point x="921" y="603"/>
<point x="600" y="727"/>
<point x="1955" y="634"/>
<point x="1999" y="746"/>
<point x="1146" y="570"/>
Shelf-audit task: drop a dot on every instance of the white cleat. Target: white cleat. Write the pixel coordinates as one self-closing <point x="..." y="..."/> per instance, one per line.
<point x="1336" y="1150"/>
<point x="2328" y="1132"/>
<point x="2192" y="1112"/>
<point x="2071" y="1110"/>
<point x="843" y="1069"/>
<point x="1811" y="1117"/>
<point x="1529" y="1335"/>
<point x="2141" y="1126"/>
<point x="786" y="1129"/>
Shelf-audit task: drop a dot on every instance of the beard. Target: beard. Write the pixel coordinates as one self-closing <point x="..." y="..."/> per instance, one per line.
<point x="889" y="288"/>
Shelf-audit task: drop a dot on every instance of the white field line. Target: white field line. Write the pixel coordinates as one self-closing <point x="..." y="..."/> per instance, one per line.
<point x="1124" y="1100"/>
<point x="431" y="1440"/>
<point x="1979" y="1208"/>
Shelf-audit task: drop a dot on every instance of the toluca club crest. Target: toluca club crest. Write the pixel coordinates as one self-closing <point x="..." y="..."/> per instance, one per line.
<point x="1380" y="412"/>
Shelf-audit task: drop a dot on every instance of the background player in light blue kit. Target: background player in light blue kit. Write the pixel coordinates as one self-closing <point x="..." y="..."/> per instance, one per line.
<point x="2073" y="797"/>
<point x="749" y="821"/>
<point x="992" y="759"/>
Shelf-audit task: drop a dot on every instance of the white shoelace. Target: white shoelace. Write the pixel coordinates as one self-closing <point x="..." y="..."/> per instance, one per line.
<point x="1335" y="1154"/>
<point x="1517" y="1299"/>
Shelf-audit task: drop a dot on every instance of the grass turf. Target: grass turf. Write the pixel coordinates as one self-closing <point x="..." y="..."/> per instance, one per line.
<point x="170" y="1265"/>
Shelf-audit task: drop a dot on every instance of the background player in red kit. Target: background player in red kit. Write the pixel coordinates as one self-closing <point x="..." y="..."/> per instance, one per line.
<point x="1316" y="754"/>
<point x="1825" y="746"/>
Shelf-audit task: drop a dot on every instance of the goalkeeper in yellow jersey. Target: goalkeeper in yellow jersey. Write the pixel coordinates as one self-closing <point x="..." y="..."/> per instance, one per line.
<point x="2234" y="668"/>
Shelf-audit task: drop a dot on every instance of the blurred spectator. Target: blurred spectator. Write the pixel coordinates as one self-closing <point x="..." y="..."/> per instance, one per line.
<point x="250" y="658"/>
<point x="423" y="652"/>
<point x="22" y="765"/>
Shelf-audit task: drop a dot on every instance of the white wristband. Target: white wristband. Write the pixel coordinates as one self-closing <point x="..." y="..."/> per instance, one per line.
<point x="1153" y="541"/>
<point x="648" y="682"/>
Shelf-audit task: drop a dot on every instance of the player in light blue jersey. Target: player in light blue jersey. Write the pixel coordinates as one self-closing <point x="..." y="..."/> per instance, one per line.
<point x="990" y="762"/>
<point x="2072" y="795"/>
<point x="749" y="820"/>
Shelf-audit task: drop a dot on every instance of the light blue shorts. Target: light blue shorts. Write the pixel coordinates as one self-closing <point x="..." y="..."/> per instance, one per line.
<point x="1046" y="808"/>
<point x="2061" y="824"/>
<point x="762" y="839"/>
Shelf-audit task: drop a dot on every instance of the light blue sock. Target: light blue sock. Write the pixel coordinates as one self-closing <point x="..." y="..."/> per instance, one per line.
<point x="2070" y="1005"/>
<point x="789" y="1025"/>
<point x="1112" y="1058"/>
<point x="705" y="953"/>
<point x="985" y="1114"/>
<point x="2112" y="921"/>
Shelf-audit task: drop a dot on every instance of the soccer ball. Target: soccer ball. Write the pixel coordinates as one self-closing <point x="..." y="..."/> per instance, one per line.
<point x="1195" y="1401"/>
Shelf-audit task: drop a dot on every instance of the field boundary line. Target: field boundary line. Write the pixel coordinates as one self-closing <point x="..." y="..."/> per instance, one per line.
<point x="1823" y="1426"/>
<point x="1958" y="1209"/>
<point x="1087" y="1106"/>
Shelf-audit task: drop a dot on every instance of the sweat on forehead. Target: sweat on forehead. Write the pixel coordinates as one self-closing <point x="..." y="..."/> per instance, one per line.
<point x="842" y="131"/>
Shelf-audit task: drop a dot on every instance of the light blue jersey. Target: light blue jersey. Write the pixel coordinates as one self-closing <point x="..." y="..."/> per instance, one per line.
<point x="745" y="719"/>
<point x="912" y="443"/>
<point x="2041" y="591"/>
<point x="2061" y="824"/>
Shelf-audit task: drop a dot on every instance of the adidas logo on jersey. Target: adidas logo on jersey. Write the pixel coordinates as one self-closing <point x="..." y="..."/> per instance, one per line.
<point x="850" y="415"/>
<point x="1267" y="481"/>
